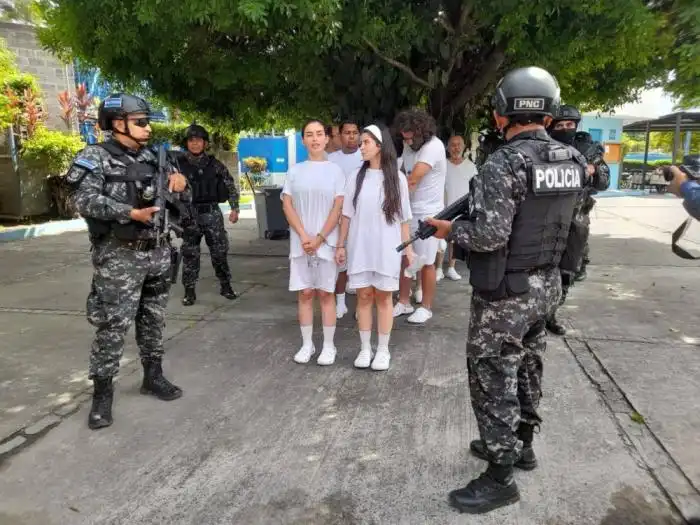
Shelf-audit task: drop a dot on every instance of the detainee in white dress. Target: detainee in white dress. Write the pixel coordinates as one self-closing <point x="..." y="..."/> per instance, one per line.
<point x="376" y="219"/>
<point x="312" y="201"/>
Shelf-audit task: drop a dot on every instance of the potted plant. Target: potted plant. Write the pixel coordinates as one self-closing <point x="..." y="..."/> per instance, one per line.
<point x="272" y="223"/>
<point x="255" y="171"/>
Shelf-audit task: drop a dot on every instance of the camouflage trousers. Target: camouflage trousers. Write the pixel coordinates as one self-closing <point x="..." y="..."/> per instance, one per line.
<point x="127" y="285"/>
<point x="211" y="227"/>
<point x="586" y="249"/>
<point x="506" y="344"/>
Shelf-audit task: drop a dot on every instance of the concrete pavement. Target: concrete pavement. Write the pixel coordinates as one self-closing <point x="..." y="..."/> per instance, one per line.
<point x="260" y="439"/>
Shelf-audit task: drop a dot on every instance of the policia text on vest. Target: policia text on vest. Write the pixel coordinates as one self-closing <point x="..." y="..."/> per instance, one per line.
<point x="551" y="179"/>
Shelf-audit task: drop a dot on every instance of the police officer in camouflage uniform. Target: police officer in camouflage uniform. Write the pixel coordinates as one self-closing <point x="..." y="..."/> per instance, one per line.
<point x="113" y="189"/>
<point x="522" y="204"/>
<point x="563" y="129"/>
<point x="211" y="184"/>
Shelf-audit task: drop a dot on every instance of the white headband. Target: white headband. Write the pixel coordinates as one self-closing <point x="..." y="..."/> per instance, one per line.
<point x="374" y="130"/>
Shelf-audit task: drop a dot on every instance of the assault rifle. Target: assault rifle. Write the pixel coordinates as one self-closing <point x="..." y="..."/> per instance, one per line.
<point x="425" y="230"/>
<point x="167" y="202"/>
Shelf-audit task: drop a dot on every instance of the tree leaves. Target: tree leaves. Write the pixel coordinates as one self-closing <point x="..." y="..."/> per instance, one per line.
<point x="254" y="60"/>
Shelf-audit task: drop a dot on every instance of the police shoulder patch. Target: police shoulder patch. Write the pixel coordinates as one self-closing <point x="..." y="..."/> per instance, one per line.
<point x="86" y="163"/>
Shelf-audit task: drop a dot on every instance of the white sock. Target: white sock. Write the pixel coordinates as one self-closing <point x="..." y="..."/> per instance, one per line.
<point x="364" y="339"/>
<point x="383" y="341"/>
<point x="328" y="333"/>
<point x="306" y="333"/>
<point x="340" y="299"/>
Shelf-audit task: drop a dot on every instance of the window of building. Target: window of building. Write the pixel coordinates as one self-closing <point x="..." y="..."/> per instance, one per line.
<point x="613" y="134"/>
<point x="596" y="134"/>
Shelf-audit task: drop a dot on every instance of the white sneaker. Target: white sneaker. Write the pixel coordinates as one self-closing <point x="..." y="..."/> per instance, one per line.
<point x="303" y="356"/>
<point x="439" y="275"/>
<point x="381" y="359"/>
<point x="364" y="358"/>
<point x="419" y="295"/>
<point x="327" y="356"/>
<point x="402" y="309"/>
<point x="453" y="275"/>
<point x="420" y="316"/>
<point x="340" y="310"/>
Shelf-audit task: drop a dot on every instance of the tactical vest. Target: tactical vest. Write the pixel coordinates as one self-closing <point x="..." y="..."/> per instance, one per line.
<point x="540" y="228"/>
<point x="208" y="187"/>
<point x="138" y="177"/>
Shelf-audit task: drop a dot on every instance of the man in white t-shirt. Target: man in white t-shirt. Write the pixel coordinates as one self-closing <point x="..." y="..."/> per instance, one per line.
<point x="349" y="158"/>
<point x="425" y="163"/>
<point x="460" y="171"/>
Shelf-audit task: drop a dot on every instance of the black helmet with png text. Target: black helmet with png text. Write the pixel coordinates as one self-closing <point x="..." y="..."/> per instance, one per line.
<point x="527" y="91"/>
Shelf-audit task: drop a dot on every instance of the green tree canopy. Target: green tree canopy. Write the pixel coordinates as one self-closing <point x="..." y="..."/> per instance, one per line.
<point x="261" y="61"/>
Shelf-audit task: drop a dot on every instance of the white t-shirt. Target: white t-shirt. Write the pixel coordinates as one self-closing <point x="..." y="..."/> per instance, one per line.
<point x="457" y="180"/>
<point x="314" y="186"/>
<point x="372" y="242"/>
<point x="429" y="196"/>
<point x="349" y="162"/>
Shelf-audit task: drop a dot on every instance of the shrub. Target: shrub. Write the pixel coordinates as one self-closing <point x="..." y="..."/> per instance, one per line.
<point x="52" y="151"/>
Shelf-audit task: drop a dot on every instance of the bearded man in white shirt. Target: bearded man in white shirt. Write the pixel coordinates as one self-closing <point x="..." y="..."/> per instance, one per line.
<point x="425" y="162"/>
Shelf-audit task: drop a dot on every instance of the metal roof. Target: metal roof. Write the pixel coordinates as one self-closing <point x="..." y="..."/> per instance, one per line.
<point x="690" y="121"/>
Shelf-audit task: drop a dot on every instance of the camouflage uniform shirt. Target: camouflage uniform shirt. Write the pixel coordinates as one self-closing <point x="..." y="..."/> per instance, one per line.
<point x="107" y="201"/>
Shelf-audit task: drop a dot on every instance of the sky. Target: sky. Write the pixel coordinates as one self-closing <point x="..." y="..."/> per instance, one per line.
<point x="654" y="103"/>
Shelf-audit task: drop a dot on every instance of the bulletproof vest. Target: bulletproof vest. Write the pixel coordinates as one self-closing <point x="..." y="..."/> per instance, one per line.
<point x="540" y="228"/>
<point x="208" y="187"/>
<point x="140" y="192"/>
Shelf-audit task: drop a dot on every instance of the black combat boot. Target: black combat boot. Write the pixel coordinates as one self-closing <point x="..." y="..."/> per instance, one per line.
<point x="526" y="433"/>
<point x="527" y="459"/>
<point x="228" y="292"/>
<point x="554" y="326"/>
<point x="190" y="297"/>
<point x="582" y="274"/>
<point x="494" y="489"/>
<point x="154" y="382"/>
<point x="101" y="410"/>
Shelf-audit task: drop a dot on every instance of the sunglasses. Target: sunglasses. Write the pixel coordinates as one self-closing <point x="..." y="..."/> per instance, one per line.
<point x="140" y="122"/>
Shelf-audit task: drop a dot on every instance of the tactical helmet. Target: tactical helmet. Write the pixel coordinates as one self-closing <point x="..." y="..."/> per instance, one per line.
<point x="527" y="91"/>
<point x="118" y="106"/>
<point x="195" y="130"/>
<point x="568" y="112"/>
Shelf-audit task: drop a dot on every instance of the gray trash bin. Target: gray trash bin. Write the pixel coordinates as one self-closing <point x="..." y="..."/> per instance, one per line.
<point x="272" y="224"/>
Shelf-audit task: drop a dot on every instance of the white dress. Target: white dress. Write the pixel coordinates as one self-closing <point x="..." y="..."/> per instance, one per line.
<point x="371" y="246"/>
<point x="349" y="163"/>
<point x="313" y="187"/>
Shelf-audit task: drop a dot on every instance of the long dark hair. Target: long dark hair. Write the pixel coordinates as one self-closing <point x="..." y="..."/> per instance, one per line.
<point x="389" y="166"/>
<point x="422" y="125"/>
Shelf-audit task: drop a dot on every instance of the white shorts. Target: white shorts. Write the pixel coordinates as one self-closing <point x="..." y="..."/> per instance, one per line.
<point x="427" y="249"/>
<point x="374" y="279"/>
<point x="304" y="275"/>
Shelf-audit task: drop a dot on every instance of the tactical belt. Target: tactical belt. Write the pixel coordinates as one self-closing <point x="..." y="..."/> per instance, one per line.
<point x="143" y="245"/>
<point x="206" y="208"/>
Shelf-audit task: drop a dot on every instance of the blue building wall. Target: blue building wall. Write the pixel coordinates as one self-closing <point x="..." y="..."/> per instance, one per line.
<point x="606" y="130"/>
<point x="272" y="149"/>
<point x="302" y="154"/>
